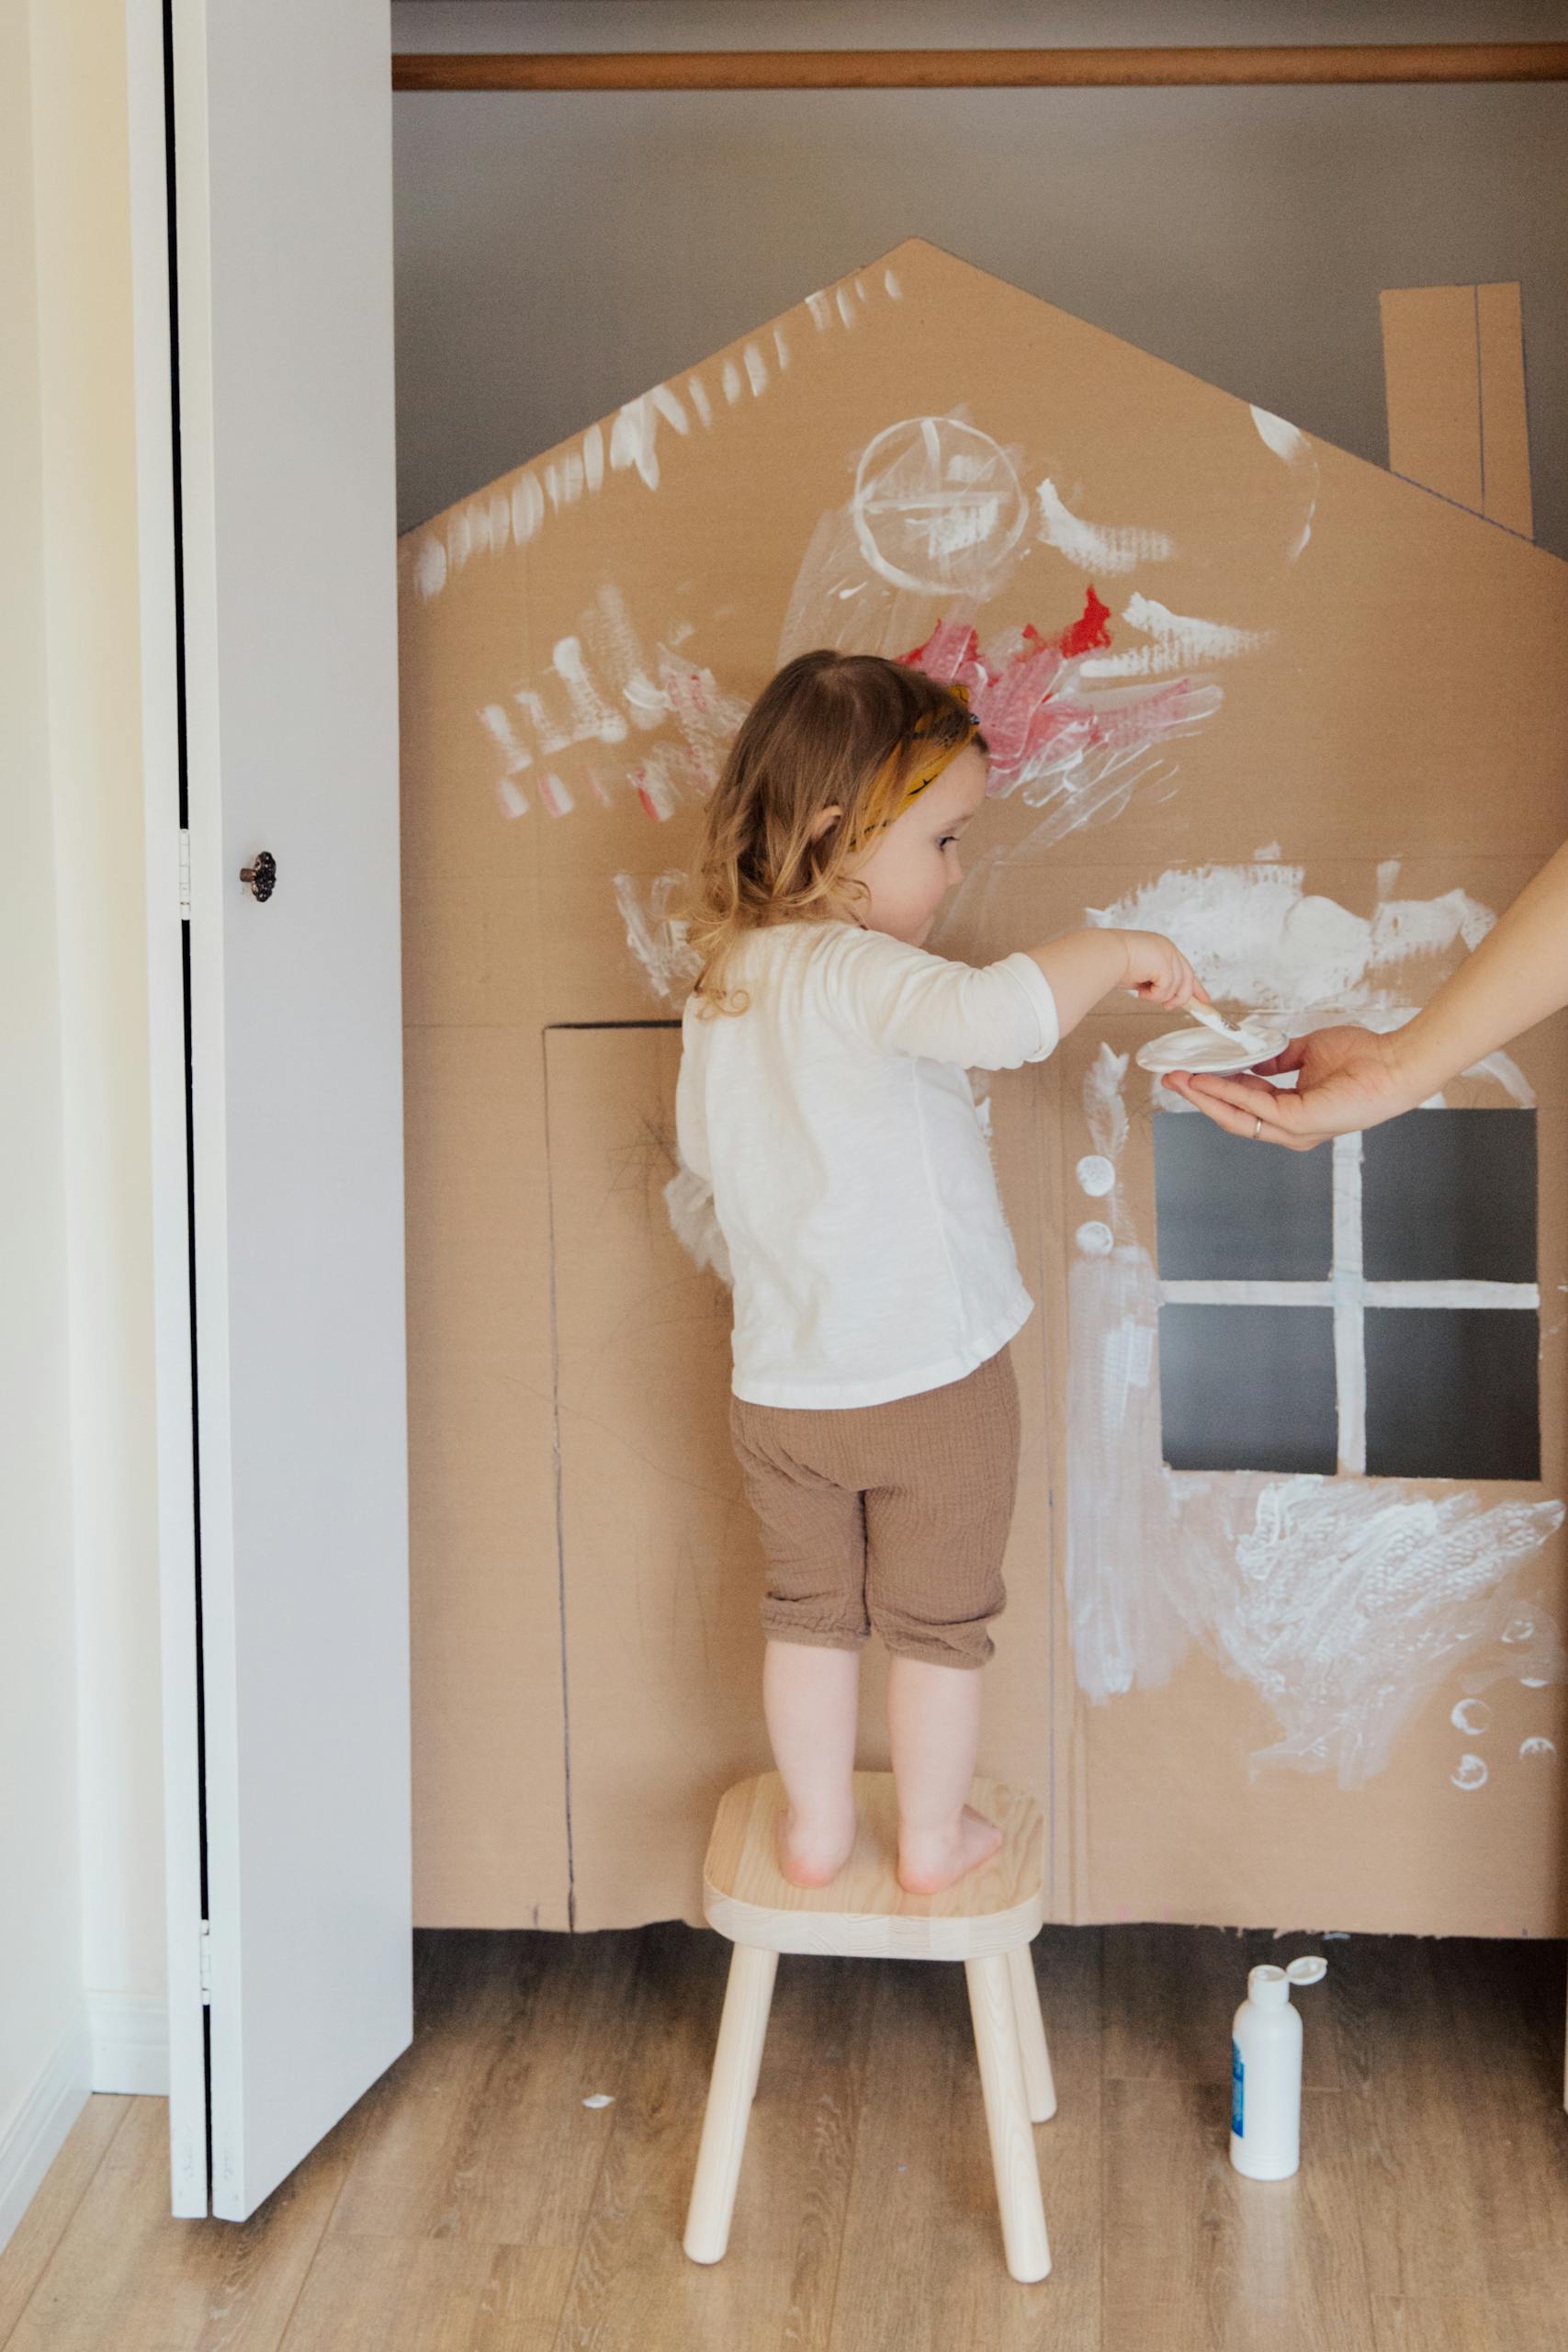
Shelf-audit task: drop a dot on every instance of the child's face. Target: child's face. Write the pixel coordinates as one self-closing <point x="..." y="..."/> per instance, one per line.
<point x="914" y="862"/>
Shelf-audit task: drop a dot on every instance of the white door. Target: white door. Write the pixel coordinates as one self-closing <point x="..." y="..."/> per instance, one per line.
<point x="282" y="181"/>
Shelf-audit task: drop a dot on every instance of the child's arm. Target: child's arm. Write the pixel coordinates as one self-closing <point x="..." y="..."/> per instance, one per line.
<point x="994" y="1016"/>
<point x="1085" y="966"/>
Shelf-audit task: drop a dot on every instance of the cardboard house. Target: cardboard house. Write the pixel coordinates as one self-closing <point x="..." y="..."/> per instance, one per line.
<point x="1287" y="1580"/>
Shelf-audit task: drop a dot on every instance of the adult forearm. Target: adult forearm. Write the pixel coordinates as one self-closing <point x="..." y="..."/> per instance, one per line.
<point x="1517" y="976"/>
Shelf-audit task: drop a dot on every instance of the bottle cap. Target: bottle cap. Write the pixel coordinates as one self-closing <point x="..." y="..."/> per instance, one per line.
<point x="1271" y="1986"/>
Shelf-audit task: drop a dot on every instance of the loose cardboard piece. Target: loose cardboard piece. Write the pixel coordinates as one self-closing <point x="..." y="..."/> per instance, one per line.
<point x="1453" y="364"/>
<point x="1504" y="430"/>
<point x="1305" y="717"/>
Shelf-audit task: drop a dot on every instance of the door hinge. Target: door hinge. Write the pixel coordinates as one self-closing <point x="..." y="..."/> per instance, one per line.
<point x="184" y="873"/>
<point x="205" y="1951"/>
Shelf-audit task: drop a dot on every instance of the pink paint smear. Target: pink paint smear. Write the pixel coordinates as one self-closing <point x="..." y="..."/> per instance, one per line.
<point x="1024" y="690"/>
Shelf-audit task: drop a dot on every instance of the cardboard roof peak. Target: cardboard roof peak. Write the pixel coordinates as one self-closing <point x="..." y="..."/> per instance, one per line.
<point x="629" y="438"/>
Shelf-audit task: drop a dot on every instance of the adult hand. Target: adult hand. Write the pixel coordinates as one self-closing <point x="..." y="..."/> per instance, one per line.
<point x="1347" y="1078"/>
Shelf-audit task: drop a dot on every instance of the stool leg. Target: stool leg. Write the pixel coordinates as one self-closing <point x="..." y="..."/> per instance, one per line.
<point x="1039" y="2090"/>
<point x="992" y="2007"/>
<point x="748" y="1997"/>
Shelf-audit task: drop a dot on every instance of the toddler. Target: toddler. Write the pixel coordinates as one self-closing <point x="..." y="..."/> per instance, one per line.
<point x="824" y="1098"/>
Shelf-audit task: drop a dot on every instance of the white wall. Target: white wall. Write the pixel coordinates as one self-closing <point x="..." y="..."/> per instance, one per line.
<point x="43" y="2044"/>
<point x="92" y="604"/>
<point x="82" y="1946"/>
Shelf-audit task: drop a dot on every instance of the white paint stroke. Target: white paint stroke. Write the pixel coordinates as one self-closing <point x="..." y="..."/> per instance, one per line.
<point x="1294" y="450"/>
<point x="656" y="938"/>
<point x="1538" y="1746"/>
<point x="700" y="399"/>
<point x="528" y="508"/>
<point x="1457" y="1292"/>
<point x="634" y="439"/>
<point x="597" y="687"/>
<point x="656" y="780"/>
<point x="695" y="1223"/>
<point x="498" y="723"/>
<point x="1472" y="1773"/>
<point x="729" y="376"/>
<point x="563" y="482"/>
<point x="1259" y="939"/>
<point x="1349" y="1287"/>
<point x="846" y="308"/>
<point x="430" y="565"/>
<point x="818" y="307"/>
<point x="782" y="349"/>
<point x="593" y="457"/>
<point x="668" y="403"/>
<point x="937" y="506"/>
<point x="756" y="369"/>
<point x="1472" y="1716"/>
<point x="1180" y="643"/>
<point x="616" y="648"/>
<point x="1090" y="545"/>
<point x="890" y="280"/>
<point x="592" y="714"/>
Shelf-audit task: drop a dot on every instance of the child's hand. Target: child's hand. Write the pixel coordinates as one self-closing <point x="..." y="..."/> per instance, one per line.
<point x="1158" y="971"/>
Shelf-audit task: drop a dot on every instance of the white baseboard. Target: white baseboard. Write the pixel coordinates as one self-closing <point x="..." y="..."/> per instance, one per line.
<point x="130" y="2042"/>
<point x="38" y="2131"/>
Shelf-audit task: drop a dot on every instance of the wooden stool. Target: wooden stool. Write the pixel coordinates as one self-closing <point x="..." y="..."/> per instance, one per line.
<point x="986" y="1920"/>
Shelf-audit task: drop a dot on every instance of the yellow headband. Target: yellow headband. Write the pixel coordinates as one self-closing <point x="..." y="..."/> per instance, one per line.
<point x="926" y="773"/>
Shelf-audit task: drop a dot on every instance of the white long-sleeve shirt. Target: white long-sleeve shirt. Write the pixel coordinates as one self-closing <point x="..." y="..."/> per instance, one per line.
<point x="852" y="1179"/>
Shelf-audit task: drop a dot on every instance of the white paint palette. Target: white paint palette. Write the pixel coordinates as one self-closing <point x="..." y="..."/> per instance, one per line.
<point x="1206" y="1049"/>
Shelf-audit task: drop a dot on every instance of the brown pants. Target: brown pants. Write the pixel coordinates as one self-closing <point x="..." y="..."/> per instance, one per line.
<point x="894" y="1516"/>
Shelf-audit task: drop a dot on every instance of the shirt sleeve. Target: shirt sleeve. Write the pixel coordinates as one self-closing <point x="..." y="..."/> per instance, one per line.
<point x="986" y="1016"/>
<point x="691" y="1118"/>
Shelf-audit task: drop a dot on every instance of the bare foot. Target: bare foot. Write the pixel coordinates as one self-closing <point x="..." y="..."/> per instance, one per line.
<point x="813" y="1853"/>
<point x="928" y="1864"/>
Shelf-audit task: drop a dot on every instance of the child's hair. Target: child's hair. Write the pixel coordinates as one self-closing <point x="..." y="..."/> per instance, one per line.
<point x="826" y="729"/>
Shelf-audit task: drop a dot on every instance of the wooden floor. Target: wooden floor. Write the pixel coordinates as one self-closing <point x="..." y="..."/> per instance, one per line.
<point x="471" y="2202"/>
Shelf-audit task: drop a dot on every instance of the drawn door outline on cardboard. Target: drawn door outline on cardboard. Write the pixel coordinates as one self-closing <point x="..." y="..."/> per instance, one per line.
<point x="1232" y="709"/>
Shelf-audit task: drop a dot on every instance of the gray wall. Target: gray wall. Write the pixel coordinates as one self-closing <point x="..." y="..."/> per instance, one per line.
<point x="557" y="254"/>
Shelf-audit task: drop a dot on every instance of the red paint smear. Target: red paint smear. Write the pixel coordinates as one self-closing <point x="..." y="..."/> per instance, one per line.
<point x="1087" y="632"/>
<point x="1017" y="697"/>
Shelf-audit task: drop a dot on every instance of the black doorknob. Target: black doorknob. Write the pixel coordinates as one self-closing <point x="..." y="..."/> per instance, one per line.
<point x="262" y="876"/>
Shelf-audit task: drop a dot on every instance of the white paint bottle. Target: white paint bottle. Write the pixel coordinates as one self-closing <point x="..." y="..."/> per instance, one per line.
<point x="1266" y="2071"/>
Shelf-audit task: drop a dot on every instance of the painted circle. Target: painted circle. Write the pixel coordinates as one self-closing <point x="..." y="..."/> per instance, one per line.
<point x="1471" y="1715"/>
<point x="1096" y="1240"/>
<point x="1096" y="1174"/>
<point x="1472" y="1773"/>
<point x="937" y="506"/>
<point x="1538" y="1746"/>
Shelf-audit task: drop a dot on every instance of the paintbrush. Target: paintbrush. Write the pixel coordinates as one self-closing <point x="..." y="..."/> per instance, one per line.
<point x="1242" y="1039"/>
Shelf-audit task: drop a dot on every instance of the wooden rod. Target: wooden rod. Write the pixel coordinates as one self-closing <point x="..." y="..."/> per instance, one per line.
<point x="980" y="69"/>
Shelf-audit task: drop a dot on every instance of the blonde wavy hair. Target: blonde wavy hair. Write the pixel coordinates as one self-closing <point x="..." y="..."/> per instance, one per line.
<point x="827" y="729"/>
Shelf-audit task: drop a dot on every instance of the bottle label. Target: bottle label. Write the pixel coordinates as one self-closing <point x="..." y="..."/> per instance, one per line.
<point x="1238" y="2081"/>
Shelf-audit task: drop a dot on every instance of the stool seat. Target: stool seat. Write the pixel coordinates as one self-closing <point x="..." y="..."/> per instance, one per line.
<point x="986" y="1919"/>
<point x="864" y="1910"/>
